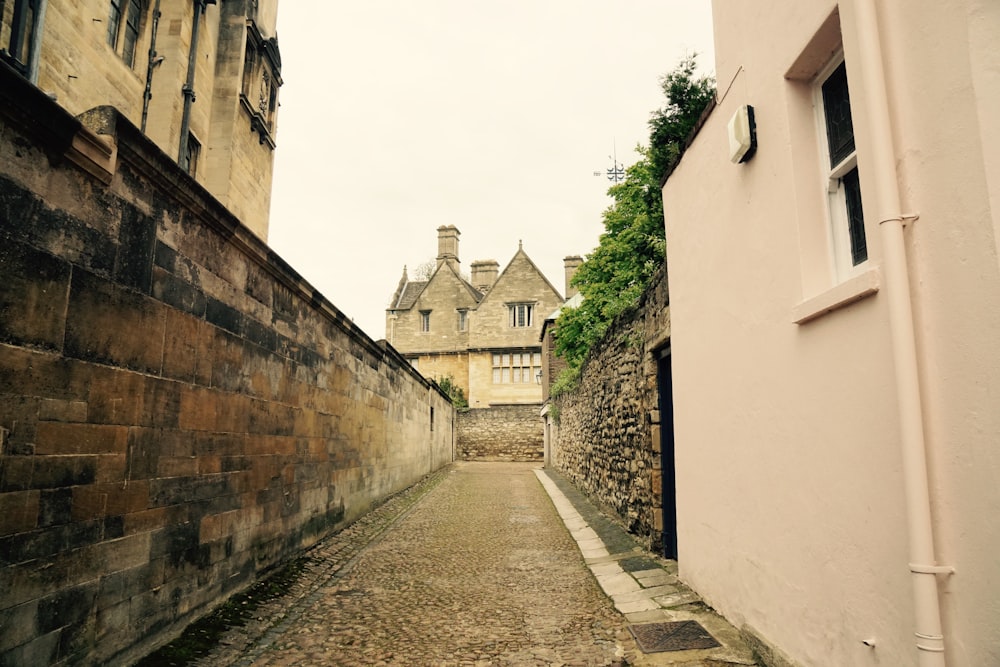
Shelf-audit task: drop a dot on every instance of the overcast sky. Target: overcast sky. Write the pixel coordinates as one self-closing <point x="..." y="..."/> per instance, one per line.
<point x="398" y="116"/>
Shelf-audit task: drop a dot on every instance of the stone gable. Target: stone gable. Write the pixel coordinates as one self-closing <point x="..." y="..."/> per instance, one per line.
<point x="520" y="283"/>
<point x="444" y="295"/>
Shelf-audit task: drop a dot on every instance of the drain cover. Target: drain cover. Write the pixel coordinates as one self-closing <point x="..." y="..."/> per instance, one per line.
<point x="678" y="636"/>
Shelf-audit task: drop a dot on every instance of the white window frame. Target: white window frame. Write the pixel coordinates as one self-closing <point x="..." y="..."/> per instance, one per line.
<point x="838" y="224"/>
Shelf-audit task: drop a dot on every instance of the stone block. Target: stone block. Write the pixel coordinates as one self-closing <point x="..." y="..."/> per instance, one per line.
<point x="151" y="519"/>
<point x="20" y="511"/>
<point x="181" y="346"/>
<point x="61" y="410"/>
<point x="177" y="292"/>
<point x="54" y="507"/>
<point x="70" y="438"/>
<point x="18" y="625"/>
<point x="110" y="325"/>
<point x="33" y="296"/>
<point x="62" y="470"/>
<point x="124" y="553"/>
<point x="115" y="396"/>
<point x="111" y="468"/>
<point x="16" y="473"/>
<point x="42" y="650"/>
<point x="68" y="606"/>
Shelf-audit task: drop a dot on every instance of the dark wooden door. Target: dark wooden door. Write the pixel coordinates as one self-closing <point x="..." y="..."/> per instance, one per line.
<point x="667" y="467"/>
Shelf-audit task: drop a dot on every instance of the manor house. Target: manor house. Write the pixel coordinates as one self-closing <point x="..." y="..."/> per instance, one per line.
<point x="483" y="332"/>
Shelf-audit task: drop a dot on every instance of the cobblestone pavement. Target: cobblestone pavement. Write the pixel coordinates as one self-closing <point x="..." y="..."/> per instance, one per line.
<point x="478" y="570"/>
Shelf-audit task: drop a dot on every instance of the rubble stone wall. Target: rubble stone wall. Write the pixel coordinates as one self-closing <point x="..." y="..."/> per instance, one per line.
<point x="606" y="432"/>
<point x="179" y="410"/>
<point x="501" y="433"/>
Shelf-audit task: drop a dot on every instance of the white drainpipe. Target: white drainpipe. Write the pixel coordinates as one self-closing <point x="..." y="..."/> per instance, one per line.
<point x="923" y="565"/>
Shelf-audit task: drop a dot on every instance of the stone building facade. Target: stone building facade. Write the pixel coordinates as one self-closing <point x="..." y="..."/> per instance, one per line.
<point x="200" y="79"/>
<point x="483" y="332"/>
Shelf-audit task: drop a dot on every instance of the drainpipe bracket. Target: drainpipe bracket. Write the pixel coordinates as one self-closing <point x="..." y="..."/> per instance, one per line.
<point x="916" y="568"/>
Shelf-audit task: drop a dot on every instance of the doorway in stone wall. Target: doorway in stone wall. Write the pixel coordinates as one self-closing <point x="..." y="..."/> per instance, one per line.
<point x="668" y="475"/>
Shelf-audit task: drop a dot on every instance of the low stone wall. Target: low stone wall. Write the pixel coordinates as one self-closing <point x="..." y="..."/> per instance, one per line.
<point x="179" y="410"/>
<point x="604" y="436"/>
<point x="501" y="433"/>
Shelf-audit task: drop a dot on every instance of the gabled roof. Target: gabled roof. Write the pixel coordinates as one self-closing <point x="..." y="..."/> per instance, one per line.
<point x="408" y="296"/>
<point x="410" y="290"/>
<point x="520" y="252"/>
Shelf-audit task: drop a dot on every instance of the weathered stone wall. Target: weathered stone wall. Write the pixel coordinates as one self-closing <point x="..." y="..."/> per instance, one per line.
<point x="607" y="436"/>
<point x="501" y="433"/>
<point x="179" y="410"/>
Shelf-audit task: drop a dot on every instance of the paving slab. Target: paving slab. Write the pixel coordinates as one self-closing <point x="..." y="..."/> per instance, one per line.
<point x="645" y="587"/>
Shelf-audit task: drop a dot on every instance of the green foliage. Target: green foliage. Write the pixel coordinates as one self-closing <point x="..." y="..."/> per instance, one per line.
<point x="567" y="380"/>
<point x="669" y="127"/>
<point x="633" y="247"/>
<point x="454" y="392"/>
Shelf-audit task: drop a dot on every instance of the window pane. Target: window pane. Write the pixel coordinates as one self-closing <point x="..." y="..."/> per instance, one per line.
<point x="496" y="359"/>
<point x="505" y="360"/>
<point x="505" y="376"/>
<point x="515" y="375"/>
<point x="496" y="376"/>
<point x="537" y="359"/>
<point x="855" y="217"/>
<point x="515" y="359"/>
<point x="837" y="108"/>
<point x="131" y="32"/>
<point x="114" y="21"/>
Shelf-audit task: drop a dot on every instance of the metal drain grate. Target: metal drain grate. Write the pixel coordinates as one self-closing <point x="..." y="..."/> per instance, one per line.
<point x="678" y="636"/>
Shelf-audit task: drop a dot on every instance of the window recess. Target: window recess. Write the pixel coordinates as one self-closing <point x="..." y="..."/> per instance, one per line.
<point x="847" y="222"/>
<point x="261" y="80"/>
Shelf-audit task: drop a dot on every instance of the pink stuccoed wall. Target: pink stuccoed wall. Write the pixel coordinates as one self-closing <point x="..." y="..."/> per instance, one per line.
<point x="790" y="492"/>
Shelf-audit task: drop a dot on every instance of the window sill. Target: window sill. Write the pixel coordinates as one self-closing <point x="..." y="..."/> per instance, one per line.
<point x="851" y="290"/>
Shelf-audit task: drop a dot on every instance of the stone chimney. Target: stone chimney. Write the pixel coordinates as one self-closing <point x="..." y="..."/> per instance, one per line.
<point x="571" y="264"/>
<point x="484" y="274"/>
<point x="448" y="244"/>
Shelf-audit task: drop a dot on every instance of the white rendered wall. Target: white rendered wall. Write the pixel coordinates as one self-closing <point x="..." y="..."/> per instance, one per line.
<point x="791" y="514"/>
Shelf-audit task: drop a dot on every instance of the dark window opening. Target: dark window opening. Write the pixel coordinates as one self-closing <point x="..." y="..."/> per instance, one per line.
<point x="18" y="49"/>
<point x="855" y="217"/>
<point x="114" y="23"/>
<point x="837" y="107"/>
<point x="131" y="31"/>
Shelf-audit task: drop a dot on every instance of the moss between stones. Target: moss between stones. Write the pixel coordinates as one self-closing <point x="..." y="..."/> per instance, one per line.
<point x="199" y="638"/>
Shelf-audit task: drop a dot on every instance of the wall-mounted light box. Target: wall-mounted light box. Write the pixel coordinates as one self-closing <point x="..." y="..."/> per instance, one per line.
<point x="742" y="135"/>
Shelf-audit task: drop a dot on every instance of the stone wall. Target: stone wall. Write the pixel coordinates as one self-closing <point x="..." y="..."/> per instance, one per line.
<point x="179" y="410"/>
<point x="501" y="433"/>
<point x="604" y="436"/>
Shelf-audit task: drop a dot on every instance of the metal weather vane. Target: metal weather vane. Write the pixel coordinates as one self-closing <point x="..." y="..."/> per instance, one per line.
<point x="616" y="172"/>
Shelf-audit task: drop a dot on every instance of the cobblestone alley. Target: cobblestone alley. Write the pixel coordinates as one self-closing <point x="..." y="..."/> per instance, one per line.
<point x="473" y="566"/>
